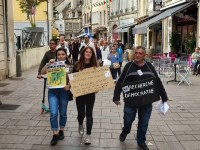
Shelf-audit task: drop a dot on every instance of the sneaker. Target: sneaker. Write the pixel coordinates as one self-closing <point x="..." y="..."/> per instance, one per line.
<point x="87" y="140"/>
<point x="61" y="135"/>
<point x="143" y="146"/>
<point x="122" y="137"/>
<point x="81" y="130"/>
<point x="54" y="140"/>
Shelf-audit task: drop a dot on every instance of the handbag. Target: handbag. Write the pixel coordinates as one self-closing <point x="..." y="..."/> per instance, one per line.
<point x="106" y="62"/>
<point x="116" y="65"/>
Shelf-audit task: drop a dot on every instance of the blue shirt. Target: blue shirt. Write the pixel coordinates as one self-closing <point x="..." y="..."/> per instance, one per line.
<point x="113" y="58"/>
<point x="120" y="52"/>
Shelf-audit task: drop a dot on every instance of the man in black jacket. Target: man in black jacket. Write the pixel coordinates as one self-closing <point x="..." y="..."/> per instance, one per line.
<point x="75" y="50"/>
<point x="138" y="70"/>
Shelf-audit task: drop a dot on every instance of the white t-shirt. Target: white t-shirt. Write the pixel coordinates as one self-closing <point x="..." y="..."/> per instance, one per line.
<point x="66" y="47"/>
<point x="105" y="51"/>
<point x="89" y="44"/>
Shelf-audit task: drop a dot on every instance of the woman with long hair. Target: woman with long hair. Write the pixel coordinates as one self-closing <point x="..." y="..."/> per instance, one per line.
<point x="58" y="99"/>
<point x="85" y="103"/>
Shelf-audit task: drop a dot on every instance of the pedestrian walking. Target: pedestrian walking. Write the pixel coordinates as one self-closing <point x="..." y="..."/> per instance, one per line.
<point x="114" y="58"/>
<point x="58" y="100"/>
<point x="86" y="43"/>
<point x="105" y="50"/>
<point x="63" y="44"/>
<point x="51" y="54"/>
<point x="85" y="103"/>
<point x="98" y="52"/>
<point x="135" y="73"/>
<point x="75" y="50"/>
<point x="120" y="53"/>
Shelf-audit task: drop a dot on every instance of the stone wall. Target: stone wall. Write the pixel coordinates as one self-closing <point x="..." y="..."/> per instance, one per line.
<point x="32" y="57"/>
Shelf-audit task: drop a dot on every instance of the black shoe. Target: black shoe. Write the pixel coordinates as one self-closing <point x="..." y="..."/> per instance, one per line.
<point x="54" y="140"/>
<point x="61" y="135"/>
<point x="122" y="137"/>
<point x="143" y="146"/>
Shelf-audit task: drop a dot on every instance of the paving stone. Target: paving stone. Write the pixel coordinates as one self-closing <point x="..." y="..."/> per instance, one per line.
<point x="105" y="135"/>
<point x="185" y="137"/>
<point x="111" y="143"/>
<point x="15" y="139"/>
<point x="191" y="145"/>
<point x="22" y="146"/>
<point x="6" y="146"/>
<point x="3" y="121"/>
<point x="163" y="146"/>
<point x="34" y="140"/>
<point x="27" y="132"/>
<point x="9" y="132"/>
<point x="27" y="123"/>
<point x="45" y="147"/>
<point x="11" y="122"/>
<point x="170" y="138"/>
<point x="175" y="146"/>
<point x="180" y="128"/>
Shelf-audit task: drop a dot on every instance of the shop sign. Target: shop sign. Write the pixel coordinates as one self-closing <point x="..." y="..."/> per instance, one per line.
<point x="157" y="5"/>
<point x="181" y="18"/>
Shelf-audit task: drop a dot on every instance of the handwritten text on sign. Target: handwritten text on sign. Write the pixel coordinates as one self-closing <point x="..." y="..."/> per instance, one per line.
<point x="90" y="80"/>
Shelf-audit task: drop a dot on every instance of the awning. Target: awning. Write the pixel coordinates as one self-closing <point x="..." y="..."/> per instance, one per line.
<point x="124" y="27"/>
<point x="142" y="28"/>
<point x="81" y="35"/>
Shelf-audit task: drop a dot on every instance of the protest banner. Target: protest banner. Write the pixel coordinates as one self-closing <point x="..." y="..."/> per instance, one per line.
<point x="141" y="92"/>
<point x="56" y="74"/>
<point x="90" y="80"/>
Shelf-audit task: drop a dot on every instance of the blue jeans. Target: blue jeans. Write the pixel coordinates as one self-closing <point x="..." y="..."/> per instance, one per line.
<point x="144" y="114"/>
<point x="58" y="100"/>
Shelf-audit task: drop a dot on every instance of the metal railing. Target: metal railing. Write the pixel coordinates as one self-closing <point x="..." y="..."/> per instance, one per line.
<point x="29" y="39"/>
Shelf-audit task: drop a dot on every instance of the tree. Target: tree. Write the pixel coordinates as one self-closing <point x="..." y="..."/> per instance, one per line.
<point x="29" y="7"/>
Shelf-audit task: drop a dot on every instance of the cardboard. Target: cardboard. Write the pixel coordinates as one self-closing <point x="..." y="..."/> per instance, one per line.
<point x="56" y="74"/>
<point x="90" y="80"/>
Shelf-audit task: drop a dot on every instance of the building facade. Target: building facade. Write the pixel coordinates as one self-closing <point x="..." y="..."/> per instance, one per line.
<point x="7" y="48"/>
<point x="42" y="18"/>
<point x="163" y="19"/>
<point x="122" y="18"/>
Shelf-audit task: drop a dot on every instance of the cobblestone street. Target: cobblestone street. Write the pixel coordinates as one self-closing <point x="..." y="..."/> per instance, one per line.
<point x="25" y="128"/>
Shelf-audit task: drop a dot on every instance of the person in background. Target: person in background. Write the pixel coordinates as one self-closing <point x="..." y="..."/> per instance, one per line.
<point x="121" y="45"/>
<point x="58" y="100"/>
<point x="120" y="53"/>
<point x="51" y="54"/>
<point x="63" y="44"/>
<point x="70" y="49"/>
<point x="105" y="50"/>
<point x="131" y="73"/>
<point x="195" y="59"/>
<point x="87" y="43"/>
<point x="114" y="58"/>
<point x="98" y="52"/>
<point x="85" y="103"/>
<point x="75" y="49"/>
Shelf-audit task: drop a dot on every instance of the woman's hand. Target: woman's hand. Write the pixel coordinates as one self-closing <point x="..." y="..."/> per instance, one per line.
<point x="67" y="87"/>
<point x="108" y="58"/>
<point x="52" y="60"/>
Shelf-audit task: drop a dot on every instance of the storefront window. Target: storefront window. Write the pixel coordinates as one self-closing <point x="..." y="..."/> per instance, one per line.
<point x="144" y="40"/>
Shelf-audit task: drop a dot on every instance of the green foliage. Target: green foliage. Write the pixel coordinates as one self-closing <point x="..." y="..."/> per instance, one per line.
<point x="190" y="44"/>
<point x="174" y="42"/>
<point x="27" y="5"/>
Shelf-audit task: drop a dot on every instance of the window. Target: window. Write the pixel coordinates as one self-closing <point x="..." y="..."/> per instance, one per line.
<point x="104" y="18"/>
<point x="95" y="17"/>
<point x="100" y="23"/>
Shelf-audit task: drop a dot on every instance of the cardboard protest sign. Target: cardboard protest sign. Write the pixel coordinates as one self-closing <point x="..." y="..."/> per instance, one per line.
<point x="56" y="74"/>
<point x="141" y="92"/>
<point x="90" y="80"/>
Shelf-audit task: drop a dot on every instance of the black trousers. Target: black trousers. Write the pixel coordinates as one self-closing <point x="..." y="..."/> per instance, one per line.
<point x="75" y="58"/>
<point x="85" y="106"/>
<point x="119" y="69"/>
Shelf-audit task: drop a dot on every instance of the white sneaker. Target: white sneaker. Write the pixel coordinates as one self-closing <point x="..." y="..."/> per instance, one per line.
<point x="87" y="140"/>
<point x="81" y="129"/>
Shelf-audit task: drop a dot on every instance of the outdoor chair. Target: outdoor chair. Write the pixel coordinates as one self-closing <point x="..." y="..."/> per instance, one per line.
<point x="183" y="72"/>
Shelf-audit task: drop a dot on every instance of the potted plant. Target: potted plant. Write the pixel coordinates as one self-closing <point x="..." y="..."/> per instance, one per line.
<point x="33" y="34"/>
<point x="174" y="42"/>
<point x="190" y="43"/>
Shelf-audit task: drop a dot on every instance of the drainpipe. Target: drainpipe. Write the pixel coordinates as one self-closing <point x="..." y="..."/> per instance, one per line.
<point x="6" y="36"/>
<point x="47" y="21"/>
